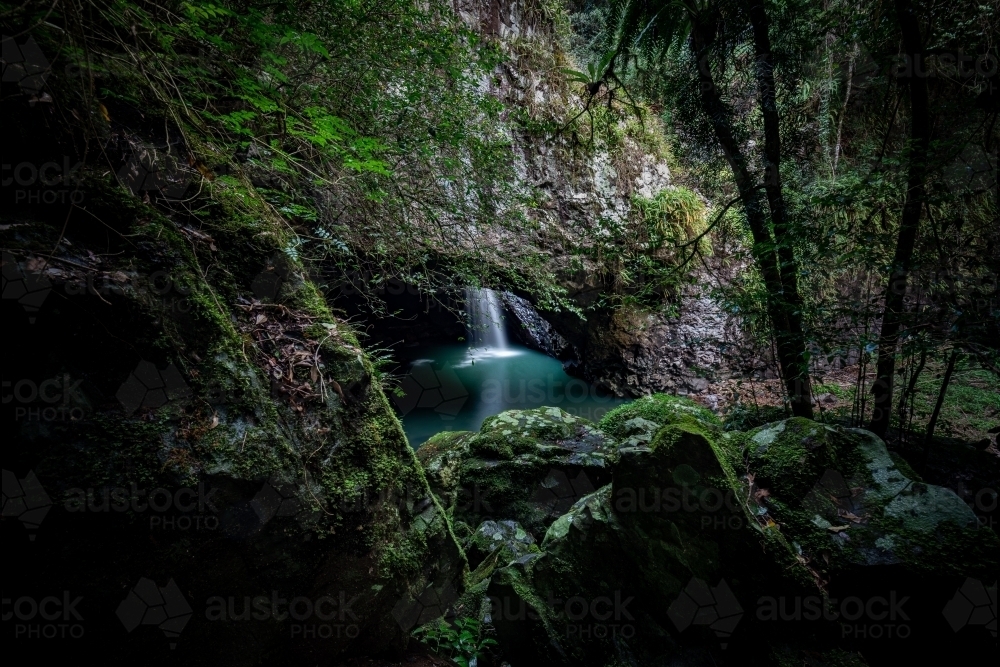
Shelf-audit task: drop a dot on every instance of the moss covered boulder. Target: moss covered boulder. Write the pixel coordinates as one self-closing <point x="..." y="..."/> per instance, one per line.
<point x="441" y="457"/>
<point x="845" y="503"/>
<point x="528" y="466"/>
<point x="691" y="545"/>
<point x="618" y="569"/>
<point x="637" y="422"/>
<point x="502" y="541"/>
<point x="582" y="559"/>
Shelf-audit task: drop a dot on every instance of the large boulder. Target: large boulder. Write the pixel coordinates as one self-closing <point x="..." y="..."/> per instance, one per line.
<point x="870" y="532"/>
<point x="848" y="504"/>
<point x="693" y="548"/>
<point x="637" y="422"/>
<point x="528" y="466"/>
<point x="624" y="571"/>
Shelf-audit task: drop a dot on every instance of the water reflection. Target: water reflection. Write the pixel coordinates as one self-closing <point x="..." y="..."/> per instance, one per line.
<point x="455" y="387"/>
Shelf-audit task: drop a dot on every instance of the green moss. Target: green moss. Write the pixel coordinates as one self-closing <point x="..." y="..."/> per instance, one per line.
<point x="783" y="655"/>
<point x="501" y="444"/>
<point x="845" y="502"/>
<point x="546" y="424"/>
<point x="788" y="457"/>
<point x="905" y="467"/>
<point x="673" y="216"/>
<point x="637" y="422"/>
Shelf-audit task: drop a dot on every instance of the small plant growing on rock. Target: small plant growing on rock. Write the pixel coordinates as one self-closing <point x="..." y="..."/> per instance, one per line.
<point x="462" y="641"/>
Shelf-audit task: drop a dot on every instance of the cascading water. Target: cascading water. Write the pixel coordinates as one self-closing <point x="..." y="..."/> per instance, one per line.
<point x="456" y="387"/>
<point x="486" y="327"/>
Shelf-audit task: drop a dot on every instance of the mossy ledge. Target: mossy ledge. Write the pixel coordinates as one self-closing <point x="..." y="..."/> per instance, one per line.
<point x="270" y="407"/>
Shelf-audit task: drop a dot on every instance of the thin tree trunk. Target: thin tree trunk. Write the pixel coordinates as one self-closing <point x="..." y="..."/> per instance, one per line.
<point x="937" y="406"/>
<point x="843" y="109"/>
<point x="763" y="249"/>
<point x="791" y="341"/>
<point x="908" y="394"/>
<point x="910" y="219"/>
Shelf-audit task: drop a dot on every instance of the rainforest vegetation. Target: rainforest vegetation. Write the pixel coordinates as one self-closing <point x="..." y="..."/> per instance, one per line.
<point x="501" y="332"/>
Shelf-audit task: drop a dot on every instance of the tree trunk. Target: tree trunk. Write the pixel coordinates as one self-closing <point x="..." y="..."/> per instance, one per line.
<point x="788" y="330"/>
<point x="937" y="406"/>
<point x="791" y="341"/>
<point x="906" y="419"/>
<point x="843" y="109"/>
<point x="899" y="275"/>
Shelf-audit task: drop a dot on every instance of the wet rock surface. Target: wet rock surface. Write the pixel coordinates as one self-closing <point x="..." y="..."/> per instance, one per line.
<point x="534" y="331"/>
<point x="698" y="531"/>
<point x="525" y="465"/>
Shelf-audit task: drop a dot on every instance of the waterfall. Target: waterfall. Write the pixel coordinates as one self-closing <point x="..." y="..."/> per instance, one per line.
<point x="486" y="327"/>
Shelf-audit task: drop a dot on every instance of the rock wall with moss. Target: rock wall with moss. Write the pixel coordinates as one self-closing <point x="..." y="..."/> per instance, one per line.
<point x="605" y="210"/>
<point x="208" y="431"/>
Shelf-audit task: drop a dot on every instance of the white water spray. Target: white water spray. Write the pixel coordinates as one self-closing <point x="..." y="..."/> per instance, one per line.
<point x="486" y="327"/>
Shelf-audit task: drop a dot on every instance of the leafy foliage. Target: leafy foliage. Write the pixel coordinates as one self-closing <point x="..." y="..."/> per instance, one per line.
<point x="364" y="122"/>
<point x="463" y="641"/>
<point x="841" y="95"/>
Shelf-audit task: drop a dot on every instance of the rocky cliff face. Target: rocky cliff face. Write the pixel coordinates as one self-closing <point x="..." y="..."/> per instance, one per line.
<point x="581" y="185"/>
<point x="208" y="432"/>
<point x="189" y="355"/>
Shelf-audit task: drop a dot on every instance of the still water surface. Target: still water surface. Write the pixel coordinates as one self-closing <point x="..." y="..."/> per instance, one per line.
<point x="455" y="387"/>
